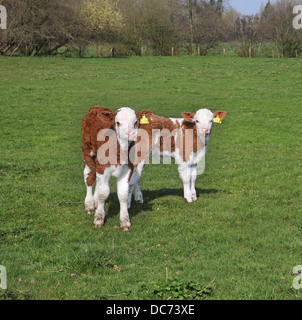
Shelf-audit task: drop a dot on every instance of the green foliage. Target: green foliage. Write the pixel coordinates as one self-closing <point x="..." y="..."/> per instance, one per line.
<point x="101" y="15"/>
<point x="177" y="289"/>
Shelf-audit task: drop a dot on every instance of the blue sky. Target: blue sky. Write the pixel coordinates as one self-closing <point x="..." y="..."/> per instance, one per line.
<point x="247" y="6"/>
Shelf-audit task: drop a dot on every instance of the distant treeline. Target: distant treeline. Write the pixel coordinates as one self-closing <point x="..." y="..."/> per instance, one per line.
<point x="52" y="27"/>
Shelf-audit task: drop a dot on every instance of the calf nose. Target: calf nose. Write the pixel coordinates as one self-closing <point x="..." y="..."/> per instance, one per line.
<point x="129" y="133"/>
<point x="204" y="131"/>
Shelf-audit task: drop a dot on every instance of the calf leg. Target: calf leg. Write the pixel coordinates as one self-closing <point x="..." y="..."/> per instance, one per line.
<point x="95" y="195"/>
<point x="185" y="175"/>
<point x="138" y="196"/>
<point x="134" y="186"/>
<point x="89" y="177"/>
<point x="193" y="180"/>
<point x="103" y="191"/>
<point x="130" y="191"/>
<point x="122" y="192"/>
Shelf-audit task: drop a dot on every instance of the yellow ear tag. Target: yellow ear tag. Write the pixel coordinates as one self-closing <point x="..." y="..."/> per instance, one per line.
<point x="144" y="120"/>
<point x="217" y="120"/>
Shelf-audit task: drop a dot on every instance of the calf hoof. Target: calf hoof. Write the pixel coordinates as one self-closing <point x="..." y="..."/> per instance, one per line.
<point x="125" y="225"/>
<point x="89" y="207"/>
<point x="138" y="198"/>
<point x="98" y="222"/>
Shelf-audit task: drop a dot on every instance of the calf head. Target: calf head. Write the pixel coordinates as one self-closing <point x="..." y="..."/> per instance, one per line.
<point x="126" y="124"/>
<point x="203" y="120"/>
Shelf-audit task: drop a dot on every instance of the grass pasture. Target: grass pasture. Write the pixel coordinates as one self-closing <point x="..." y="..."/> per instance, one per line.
<point x="243" y="235"/>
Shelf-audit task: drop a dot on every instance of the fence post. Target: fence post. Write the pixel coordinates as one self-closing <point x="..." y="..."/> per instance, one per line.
<point x="259" y="48"/>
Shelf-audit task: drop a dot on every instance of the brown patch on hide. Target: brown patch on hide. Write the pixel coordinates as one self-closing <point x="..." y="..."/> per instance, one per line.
<point x="95" y="121"/>
<point x="186" y="141"/>
<point x="163" y="126"/>
<point x="191" y="142"/>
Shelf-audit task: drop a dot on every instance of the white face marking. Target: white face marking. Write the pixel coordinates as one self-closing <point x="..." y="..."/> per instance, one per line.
<point x="203" y="120"/>
<point x="126" y="124"/>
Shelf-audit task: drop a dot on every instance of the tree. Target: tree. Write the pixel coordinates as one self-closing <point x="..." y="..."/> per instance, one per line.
<point x="230" y="19"/>
<point x="190" y="5"/>
<point x="198" y="25"/>
<point x="277" y="24"/>
<point x="219" y="6"/>
<point x="159" y="29"/>
<point x="101" y="17"/>
<point x="249" y="36"/>
<point x="38" y="27"/>
<point x="133" y="32"/>
<point x="208" y="27"/>
<point x="148" y="22"/>
<point x="266" y="10"/>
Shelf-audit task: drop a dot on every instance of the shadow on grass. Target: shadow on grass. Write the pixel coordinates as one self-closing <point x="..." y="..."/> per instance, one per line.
<point x="149" y="197"/>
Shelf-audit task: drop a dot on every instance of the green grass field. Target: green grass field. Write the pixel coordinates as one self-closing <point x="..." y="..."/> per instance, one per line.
<point x="243" y="235"/>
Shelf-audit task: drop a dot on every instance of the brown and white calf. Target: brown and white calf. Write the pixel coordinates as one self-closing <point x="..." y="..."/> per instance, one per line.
<point x="184" y="139"/>
<point x="106" y="141"/>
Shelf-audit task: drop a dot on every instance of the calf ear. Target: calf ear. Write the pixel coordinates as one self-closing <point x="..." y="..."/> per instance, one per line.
<point x="107" y="114"/>
<point x="144" y="117"/>
<point x="147" y="114"/>
<point x="220" y="114"/>
<point x="188" y="116"/>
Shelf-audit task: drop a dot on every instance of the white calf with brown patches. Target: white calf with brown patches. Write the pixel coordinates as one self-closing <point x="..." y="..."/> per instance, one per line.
<point x="121" y="129"/>
<point x="184" y="139"/>
<point x="201" y="125"/>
